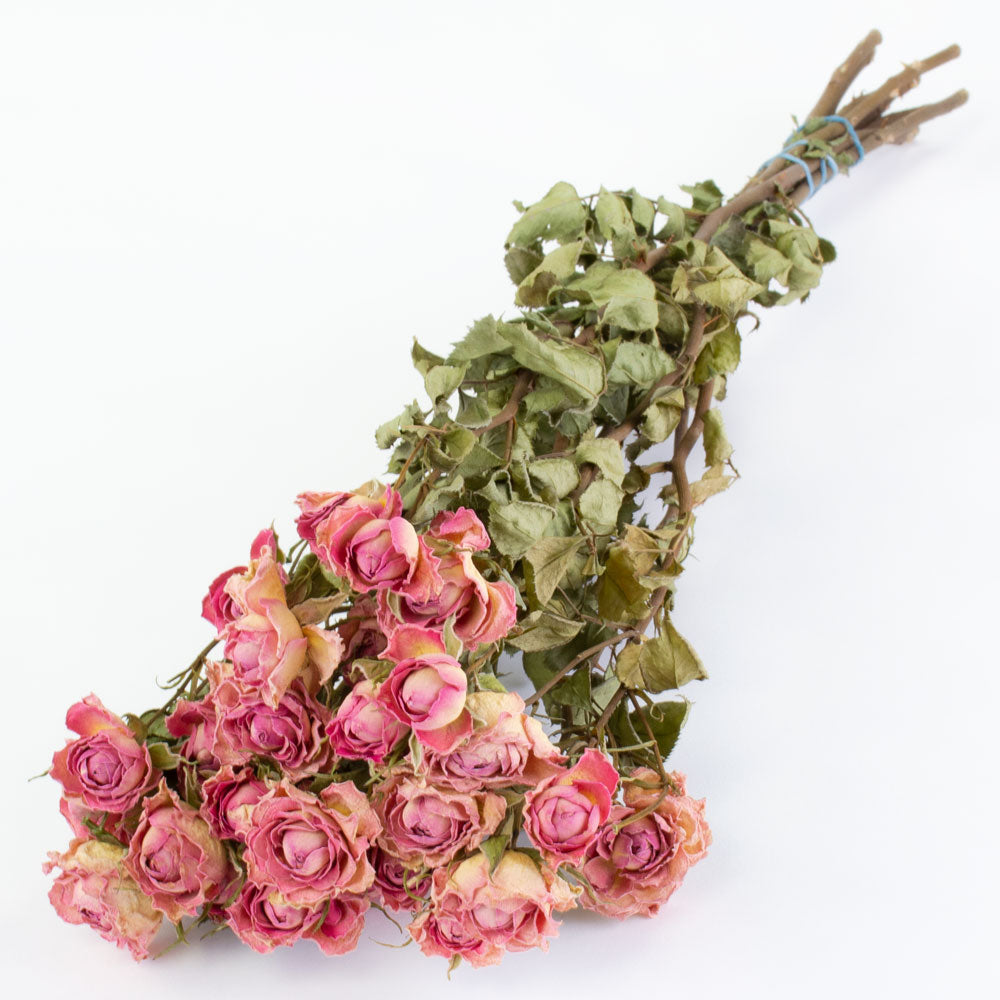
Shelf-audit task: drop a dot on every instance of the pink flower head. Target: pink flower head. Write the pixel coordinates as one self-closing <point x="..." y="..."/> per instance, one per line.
<point x="398" y="885"/>
<point x="194" y="722"/>
<point x="425" y="825"/>
<point x="506" y="748"/>
<point x="328" y="520"/>
<point x="228" y="799"/>
<point x="267" y="646"/>
<point x="312" y="847"/>
<point x="426" y="689"/>
<point x="93" y="889"/>
<point x="563" y="814"/>
<point x="479" y="917"/>
<point x="218" y="606"/>
<point x="289" y="733"/>
<point x="462" y="528"/>
<point x="363" y="729"/>
<point x="361" y="632"/>
<point x="634" y="867"/>
<point x="264" y="919"/>
<point x="107" y="769"/>
<point x="175" y="859"/>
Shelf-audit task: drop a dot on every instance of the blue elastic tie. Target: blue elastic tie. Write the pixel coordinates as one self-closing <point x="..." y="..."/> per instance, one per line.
<point x="785" y="154"/>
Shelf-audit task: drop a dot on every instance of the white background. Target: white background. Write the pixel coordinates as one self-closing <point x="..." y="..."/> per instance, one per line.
<point x="221" y="224"/>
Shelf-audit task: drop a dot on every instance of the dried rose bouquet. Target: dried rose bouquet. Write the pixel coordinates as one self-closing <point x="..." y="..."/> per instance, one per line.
<point x="348" y="737"/>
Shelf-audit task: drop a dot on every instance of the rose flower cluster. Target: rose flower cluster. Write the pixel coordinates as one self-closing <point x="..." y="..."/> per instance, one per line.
<point x="319" y="767"/>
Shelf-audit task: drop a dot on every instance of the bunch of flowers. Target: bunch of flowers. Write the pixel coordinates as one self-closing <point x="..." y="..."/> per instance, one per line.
<point x="314" y="771"/>
<point x="349" y="737"/>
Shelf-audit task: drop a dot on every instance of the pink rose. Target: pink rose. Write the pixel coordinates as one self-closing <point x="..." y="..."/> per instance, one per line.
<point x="634" y="867"/>
<point x="506" y="748"/>
<point x="312" y="847"/>
<point x="363" y="729"/>
<point x="289" y="733"/>
<point x="268" y="647"/>
<point x="483" y="612"/>
<point x="360" y="631"/>
<point x="264" y="919"/>
<point x="397" y="885"/>
<point x="479" y="917"/>
<point x="425" y="825"/>
<point x="218" y="606"/>
<point x="175" y="859"/>
<point x="563" y="814"/>
<point x="228" y="799"/>
<point x="75" y="811"/>
<point x="107" y="769"/>
<point x="194" y="722"/>
<point x="93" y="889"/>
<point x="328" y="520"/>
<point x="426" y="688"/>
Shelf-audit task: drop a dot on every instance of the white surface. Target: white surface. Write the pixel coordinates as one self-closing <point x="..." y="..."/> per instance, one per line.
<point x="220" y="226"/>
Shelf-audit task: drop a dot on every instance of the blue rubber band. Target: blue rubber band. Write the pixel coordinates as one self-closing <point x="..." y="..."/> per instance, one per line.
<point x="786" y="154"/>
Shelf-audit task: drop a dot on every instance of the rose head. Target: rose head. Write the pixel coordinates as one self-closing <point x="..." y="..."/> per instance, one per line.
<point x="461" y="528"/>
<point x="426" y="689"/>
<point x="564" y="814"/>
<point x="195" y="723"/>
<point x="175" y="859"/>
<point x="228" y="799"/>
<point x="268" y="648"/>
<point x="424" y="825"/>
<point x="363" y="729"/>
<point x="360" y="631"/>
<point x="107" y="769"/>
<point x="634" y="867"/>
<point x="506" y="748"/>
<point x="93" y="889"/>
<point x="311" y="847"/>
<point x="398" y="886"/>
<point x="289" y="733"/>
<point x="264" y="919"/>
<point x="328" y="521"/>
<point x="218" y="606"/>
<point x="479" y="917"/>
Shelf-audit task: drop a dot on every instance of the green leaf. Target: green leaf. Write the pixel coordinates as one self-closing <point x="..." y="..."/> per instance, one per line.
<point x="481" y="340"/>
<point x="717" y="446"/>
<point x="516" y="526"/>
<point x="628" y="296"/>
<point x="162" y="756"/>
<point x="560" y="215"/>
<point x="599" y="506"/>
<point x="544" y="630"/>
<point x="643" y="211"/>
<point x="520" y="262"/>
<point x="666" y="720"/>
<point x="549" y="559"/>
<point x="573" y="690"/>
<point x="494" y="848"/>
<point x="766" y="262"/>
<point x="606" y="454"/>
<point x="579" y="370"/>
<point x="554" y="269"/>
<point x="387" y="434"/>
<point x="705" y="196"/>
<point x="664" y="662"/>
<point x="720" y="356"/>
<point x="621" y="595"/>
<point x="662" y="416"/>
<point x="615" y="223"/>
<point x="442" y="380"/>
<point x="713" y="481"/>
<point x="640" y="364"/>
<point x="557" y="476"/>
<point x="676" y="220"/>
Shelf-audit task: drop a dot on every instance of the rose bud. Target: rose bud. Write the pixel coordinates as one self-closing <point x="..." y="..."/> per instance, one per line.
<point x="218" y="606"/>
<point x="312" y="847"/>
<point x="425" y="825"/>
<point x="228" y="799"/>
<point x="506" y="748"/>
<point x="195" y="723"/>
<point x="563" y="814"/>
<point x="93" y="889"/>
<point x="397" y="885"/>
<point x="363" y="729"/>
<point x="478" y="917"/>
<point x="426" y="689"/>
<point x="175" y="859"/>
<point x="633" y="868"/>
<point x="107" y="769"/>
